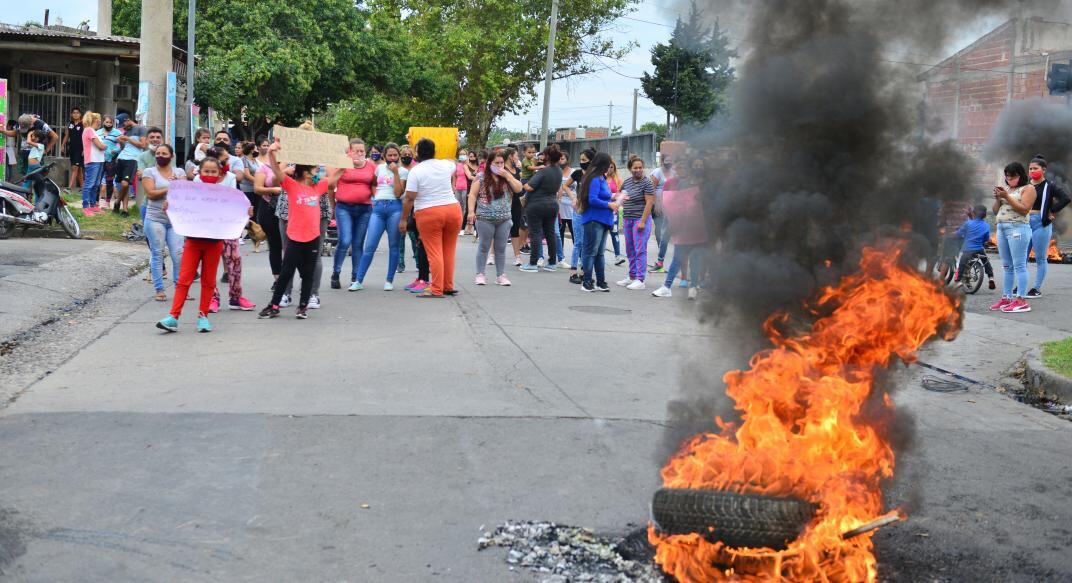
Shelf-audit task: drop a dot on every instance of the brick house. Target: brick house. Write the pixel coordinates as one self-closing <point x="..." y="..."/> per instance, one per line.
<point x="968" y="91"/>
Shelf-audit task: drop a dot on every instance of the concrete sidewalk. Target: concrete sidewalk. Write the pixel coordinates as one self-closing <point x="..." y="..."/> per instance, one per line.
<point x="247" y="454"/>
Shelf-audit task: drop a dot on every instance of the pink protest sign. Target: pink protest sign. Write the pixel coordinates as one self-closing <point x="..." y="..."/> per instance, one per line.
<point x="685" y="213"/>
<point x="207" y="211"/>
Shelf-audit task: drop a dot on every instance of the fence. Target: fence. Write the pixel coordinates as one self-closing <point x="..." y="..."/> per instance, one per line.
<point x="619" y="147"/>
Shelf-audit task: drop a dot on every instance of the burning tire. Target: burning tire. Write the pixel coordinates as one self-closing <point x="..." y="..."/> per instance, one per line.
<point x="736" y="520"/>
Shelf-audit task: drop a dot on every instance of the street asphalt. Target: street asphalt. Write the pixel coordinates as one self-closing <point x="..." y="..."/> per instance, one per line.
<point x="373" y="441"/>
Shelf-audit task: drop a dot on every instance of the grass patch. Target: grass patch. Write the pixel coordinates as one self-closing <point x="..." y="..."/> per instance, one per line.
<point x="106" y="226"/>
<point x="1057" y="356"/>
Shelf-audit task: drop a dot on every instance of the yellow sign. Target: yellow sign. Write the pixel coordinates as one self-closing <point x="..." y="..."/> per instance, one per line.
<point x="446" y="140"/>
<point x="312" y="148"/>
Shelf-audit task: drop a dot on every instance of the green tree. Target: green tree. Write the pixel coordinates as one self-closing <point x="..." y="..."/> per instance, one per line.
<point x="126" y="19"/>
<point x="692" y="71"/>
<point x="652" y="126"/>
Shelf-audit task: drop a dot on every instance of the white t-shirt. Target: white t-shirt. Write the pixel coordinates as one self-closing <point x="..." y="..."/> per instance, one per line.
<point x="433" y="181"/>
<point x="663" y="176"/>
<point x="385" y="182"/>
<point x="227" y="179"/>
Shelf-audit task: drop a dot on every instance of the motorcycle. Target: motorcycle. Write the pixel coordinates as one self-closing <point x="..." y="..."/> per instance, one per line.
<point x="16" y="210"/>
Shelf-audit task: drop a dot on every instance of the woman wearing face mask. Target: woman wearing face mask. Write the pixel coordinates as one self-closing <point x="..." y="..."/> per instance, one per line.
<point x="568" y="219"/>
<point x="198" y="255"/>
<point x="353" y="208"/>
<point x="1012" y="204"/>
<point x="386" y="211"/>
<point x="489" y="210"/>
<point x="638" y="201"/>
<point x="1049" y="201"/>
<point x="541" y="209"/>
<point x="471" y="168"/>
<point x="162" y="237"/>
<point x="376" y="153"/>
<point x="597" y="214"/>
<point x="265" y="187"/>
<point x="405" y="160"/>
<point x="231" y="255"/>
<point x="615" y="184"/>
<point x="461" y="183"/>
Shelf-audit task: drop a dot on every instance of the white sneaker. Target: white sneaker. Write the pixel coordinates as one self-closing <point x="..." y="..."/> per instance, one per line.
<point x="517" y="260"/>
<point x="491" y="260"/>
<point x="637" y="284"/>
<point x="388" y="286"/>
<point x="626" y="282"/>
<point x="285" y="301"/>
<point x="541" y="262"/>
<point x="461" y="233"/>
<point x="314" y="302"/>
<point x="692" y="292"/>
<point x="563" y="265"/>
<point x="662" y="292"/>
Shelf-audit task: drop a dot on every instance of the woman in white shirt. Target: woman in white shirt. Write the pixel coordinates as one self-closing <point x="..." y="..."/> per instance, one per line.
<point x="430" y="196"/>
<point x="386" y="212"/>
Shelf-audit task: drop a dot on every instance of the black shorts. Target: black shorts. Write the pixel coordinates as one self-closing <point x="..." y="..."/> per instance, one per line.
<point x="126" y="170"/>
<point x="77" y="160"/>
<point x="517" y="213"/>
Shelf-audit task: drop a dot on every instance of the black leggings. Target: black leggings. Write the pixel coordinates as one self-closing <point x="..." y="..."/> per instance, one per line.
<point x="422" y="256"/>
<point x="265" y="217"/>
<point x="301" y="257"/>
<point x="541" y="219"/>
<point x="563" y="226"/>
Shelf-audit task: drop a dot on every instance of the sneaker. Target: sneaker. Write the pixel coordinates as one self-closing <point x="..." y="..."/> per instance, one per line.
<point x="603" y="287"/>
<point x="683" y="283"/>
<point x="588" y="287"/>
<point x="420" y="287"/>
<point x="269" y="312"/>
<point x="401" y="268"/>
<point x="550" y="268"/>
<point x="169" y="324"/>
<point x="657" y="269"/>
<point x="302" y="313"/>
<point x="517" y="260"/>
<point x="203" y="325"/>
<point x="480" y="279"/>
<point x="637" y="284"/>
<point x="528" y="268"/>
<point x="501" y="280"/>
<point x="491" y="261"/>
<point x="564" y="265"/>
<point x="576" y="279"/>
<point x="693" y="291"/>
<point x="625" y="282"/>
<point x="541" y="262"/>
<point x="993" y="285"/>
<point x="314" y="302"/>
<point x="335" y="281"/>
<point x="462" y="233"/>
<point x="412" y="284"/>
<point x="284" y="301"/>
<point x="1034" y="293"/>
<point x="356" y="286"/>
<point x="662" y="292"/>
<point x="1000" y="305"/>
<point x="1016" y="306"/>
<point x="526" y="249"/>
<point x="388" y="286"/>
<point x="214" y="306"/>
<point x="619" y="260"/>
<point x="241" y="304"/>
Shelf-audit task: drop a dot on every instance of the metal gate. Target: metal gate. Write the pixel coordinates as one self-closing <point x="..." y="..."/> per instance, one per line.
<point x="51" y="96"/>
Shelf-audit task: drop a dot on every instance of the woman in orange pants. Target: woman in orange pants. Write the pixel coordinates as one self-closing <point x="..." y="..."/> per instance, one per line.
<point x="430" y="196"/>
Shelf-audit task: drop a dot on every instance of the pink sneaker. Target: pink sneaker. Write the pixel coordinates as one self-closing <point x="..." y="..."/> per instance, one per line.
<point x="501" y="280"/>
<point x="241" y="304"/>
<point x="88" y="212"/>
<point x="1000" y="305"/>
<point x="420" y="287"/>
<point x="412" y="284"/>
<point x="481" y="279"/>
<point x="214" y="306"/>
<point x="1016" y="306"/>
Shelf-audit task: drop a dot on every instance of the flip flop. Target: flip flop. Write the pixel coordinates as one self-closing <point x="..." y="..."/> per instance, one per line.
<point x="450" y="292"/>
<point x="427" y="294"/>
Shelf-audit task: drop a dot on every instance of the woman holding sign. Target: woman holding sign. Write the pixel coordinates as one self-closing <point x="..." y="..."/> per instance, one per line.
<point x="303" y="230"/>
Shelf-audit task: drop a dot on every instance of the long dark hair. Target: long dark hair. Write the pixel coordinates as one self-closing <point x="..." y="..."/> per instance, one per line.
<point x="597" y="168"/>
<point x="493" y="186"/>
<point x="1017" y="169"/>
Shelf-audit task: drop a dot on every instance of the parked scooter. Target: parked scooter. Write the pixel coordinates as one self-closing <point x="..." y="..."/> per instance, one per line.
<point x="16" y="210"/>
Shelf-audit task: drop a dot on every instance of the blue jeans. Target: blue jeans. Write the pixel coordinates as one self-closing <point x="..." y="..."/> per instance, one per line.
<point x="662" y="236"/>
<point x="352" y="221"/>
<point x="595" y="243"/>
<point x="578" y="240"/>
<point x="27" y="183"/>
<point x="694" y="255"/>
<point x="1040" y="240"/>
<point x="558" y="236"/>
<point x="385" y="217"/>
<point x="1013" y="239"/>
<point x="91" y="184"/>
<point x="162" y="239"/>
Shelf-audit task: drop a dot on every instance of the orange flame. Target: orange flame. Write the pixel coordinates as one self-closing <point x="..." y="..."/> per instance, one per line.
<point x="1052" y="254"/>
<point x="802" y="433"/>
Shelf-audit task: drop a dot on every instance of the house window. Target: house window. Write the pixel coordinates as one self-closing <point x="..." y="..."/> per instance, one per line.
<point x="52" y="95"/>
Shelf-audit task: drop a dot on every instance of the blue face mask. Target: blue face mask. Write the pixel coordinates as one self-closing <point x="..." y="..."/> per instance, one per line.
<point x="375" y="156"/>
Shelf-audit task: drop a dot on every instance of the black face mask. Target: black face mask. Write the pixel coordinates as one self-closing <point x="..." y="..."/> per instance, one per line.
<point x="407" y="160"/>
<point x="223" y="145"/>
<point x="584" y="165"/>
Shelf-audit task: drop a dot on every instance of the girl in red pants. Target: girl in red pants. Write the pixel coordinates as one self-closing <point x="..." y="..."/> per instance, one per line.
<point x="197" y="252"/>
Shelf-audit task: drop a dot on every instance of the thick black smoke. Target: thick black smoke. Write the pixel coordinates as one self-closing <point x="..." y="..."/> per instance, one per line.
<point x="830" y="154"/>
<point x="1031" y="127"/>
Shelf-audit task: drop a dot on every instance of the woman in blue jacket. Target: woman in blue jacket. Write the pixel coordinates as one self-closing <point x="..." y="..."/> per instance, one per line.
<point x="597" y="217"/>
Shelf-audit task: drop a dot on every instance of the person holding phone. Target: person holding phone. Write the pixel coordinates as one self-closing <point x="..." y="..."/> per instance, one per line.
<point x="1050" y="200"/>
<point x="386" y="211"/>
<point x="1012" y="203"/>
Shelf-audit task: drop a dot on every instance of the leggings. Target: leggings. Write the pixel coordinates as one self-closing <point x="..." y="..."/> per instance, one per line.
<point x="693" y="255"/>
<point x="423" y="268"/>
<point x="203" y="252"/>
<point x="232" y="264"/>
<point x="636" y="247"/>
<point x="266" y="219"/>
<point x="303" y="258"/>
<point x="542" y="219"/>
<point x="488" y="233"/>
<point x="318" y="270"/>
<point x="412" y="234"/>
<point x="1040" y="240"/>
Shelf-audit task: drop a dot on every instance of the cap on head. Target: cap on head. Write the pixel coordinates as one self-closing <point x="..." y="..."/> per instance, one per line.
<point x="122" y="118"/>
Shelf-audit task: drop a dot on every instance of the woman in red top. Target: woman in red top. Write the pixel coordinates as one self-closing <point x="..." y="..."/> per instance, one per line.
<point x="303" y="230"/>
<point x="353" y="207"/>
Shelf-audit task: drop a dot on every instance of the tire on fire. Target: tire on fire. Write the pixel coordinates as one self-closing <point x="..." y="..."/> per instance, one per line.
<point x="736" y="520"/>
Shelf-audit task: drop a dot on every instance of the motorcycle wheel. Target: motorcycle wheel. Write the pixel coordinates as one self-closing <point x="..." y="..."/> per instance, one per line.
<point x="6" y="227"/>
<point x="69" y="223"/>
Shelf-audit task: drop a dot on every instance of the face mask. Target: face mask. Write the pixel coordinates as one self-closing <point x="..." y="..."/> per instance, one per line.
<point x="463" y="158"/>
<point x="225" y="168"/>
<point x="584" y="165"/>
<point x="222" y="145"/>
<point x="163" y="160"/>
<point x="360" y="159"/>
<point x="375" y="156"/>
<point x="209" y="179"/>
<point x="1036" y="175"/>
<point x="667" y="164"/>
<point x="407" y="160"/>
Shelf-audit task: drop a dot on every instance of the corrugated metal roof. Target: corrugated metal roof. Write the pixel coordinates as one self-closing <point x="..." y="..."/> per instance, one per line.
<point x="37" y="32"/>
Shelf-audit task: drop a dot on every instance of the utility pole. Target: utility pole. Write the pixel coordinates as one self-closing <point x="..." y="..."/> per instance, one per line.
<point x="547" y="73"/>
<point x="190" y="33"/>
<point x="636" y="93"/>
<point x="610" y="118"/>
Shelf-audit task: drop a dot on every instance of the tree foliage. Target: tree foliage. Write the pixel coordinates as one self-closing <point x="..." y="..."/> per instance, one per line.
<point x="692" y="71"/>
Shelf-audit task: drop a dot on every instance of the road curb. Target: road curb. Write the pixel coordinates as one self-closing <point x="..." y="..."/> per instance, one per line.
<point x="1038" y="377"/>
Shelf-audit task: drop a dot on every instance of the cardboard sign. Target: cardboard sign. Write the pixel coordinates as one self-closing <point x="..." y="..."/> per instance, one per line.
<point x="312" y="148"/>
<point x="446" y="140"/>
<point x="685" y="214"/>
<point x="207" y="211"/>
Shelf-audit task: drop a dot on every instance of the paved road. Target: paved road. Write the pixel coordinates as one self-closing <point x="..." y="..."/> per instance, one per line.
<point x="247" y="454"/>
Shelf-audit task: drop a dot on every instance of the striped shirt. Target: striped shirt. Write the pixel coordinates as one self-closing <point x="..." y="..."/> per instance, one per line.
<point x="633" y="207"/>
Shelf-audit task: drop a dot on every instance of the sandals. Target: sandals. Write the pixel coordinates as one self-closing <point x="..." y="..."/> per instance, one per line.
<point x="450" y="292"/>
<point x="428" y="294"/>
<point x="160" y="296"/>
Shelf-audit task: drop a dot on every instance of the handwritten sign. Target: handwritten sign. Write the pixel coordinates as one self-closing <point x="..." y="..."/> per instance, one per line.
<point x="686" y="217"/>
<point x="207" y="211"/>
<point x="312" y="148"/>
